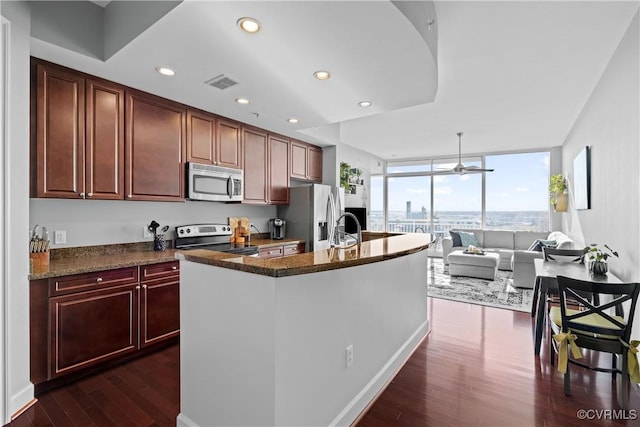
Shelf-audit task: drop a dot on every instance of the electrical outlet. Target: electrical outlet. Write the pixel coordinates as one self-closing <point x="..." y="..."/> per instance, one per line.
<point x="146" y="232"/>
<point x="60" y="237"/>
<point x="348" y="353"/>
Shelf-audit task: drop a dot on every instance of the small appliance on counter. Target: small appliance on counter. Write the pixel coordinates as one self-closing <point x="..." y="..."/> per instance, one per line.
<point x="276" y="228"/>
<point x="214" y="237"/>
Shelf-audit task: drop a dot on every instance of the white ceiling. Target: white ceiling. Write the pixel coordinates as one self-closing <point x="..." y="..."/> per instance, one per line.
<point x="511" y="75"/>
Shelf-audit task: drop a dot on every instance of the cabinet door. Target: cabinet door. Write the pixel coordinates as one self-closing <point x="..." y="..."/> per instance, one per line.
<point x="201" y="135"/>
<point x="104" y="160"/>
<point x="255" y="165"/>
<point x="298" y="160"/>
<point x="159" y="310"/>
<point x="155" y="148"/>
<point x="314" y="170"/>
<point x="229" y="144"/>
<point x="59" y="129"/>
<point x="90" y="327"/>
<point x="278" y="182"/>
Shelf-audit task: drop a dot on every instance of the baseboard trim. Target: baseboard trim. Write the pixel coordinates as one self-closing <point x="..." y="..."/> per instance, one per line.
<point x="17" y="401"/>
<point x="184" y="421"/>
<point x="357" y="407"/>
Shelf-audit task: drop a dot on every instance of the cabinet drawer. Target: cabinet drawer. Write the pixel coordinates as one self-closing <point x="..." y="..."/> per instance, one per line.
<point x="297" y="248"/>
<point x="91" y="281"/>
<point x="156" y="271"/>
<point x="271" y="252"/>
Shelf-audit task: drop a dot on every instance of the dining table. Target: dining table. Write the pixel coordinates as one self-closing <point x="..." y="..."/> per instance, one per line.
<point x="547" y="273"/>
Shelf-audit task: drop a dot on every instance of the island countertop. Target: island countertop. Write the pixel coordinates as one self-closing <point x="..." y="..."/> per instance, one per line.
<point x="320" y="260"/>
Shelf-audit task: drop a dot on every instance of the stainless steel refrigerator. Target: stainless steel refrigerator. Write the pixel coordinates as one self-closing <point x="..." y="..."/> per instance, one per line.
<point x="312" y="213"/>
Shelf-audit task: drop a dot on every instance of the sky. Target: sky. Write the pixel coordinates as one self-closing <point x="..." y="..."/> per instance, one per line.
<point x="519" y="183"/>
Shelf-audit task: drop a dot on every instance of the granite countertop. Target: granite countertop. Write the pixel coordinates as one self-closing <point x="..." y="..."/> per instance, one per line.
<point x="100" y="262"/>
<point x="321" y="260"/>
<point x="87" y="259"/>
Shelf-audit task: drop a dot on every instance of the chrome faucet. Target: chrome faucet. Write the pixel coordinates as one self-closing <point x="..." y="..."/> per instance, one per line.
<point x="336" y="239"/>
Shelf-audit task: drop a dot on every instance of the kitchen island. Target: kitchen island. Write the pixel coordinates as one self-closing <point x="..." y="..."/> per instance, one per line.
<point x="308" y="339"/>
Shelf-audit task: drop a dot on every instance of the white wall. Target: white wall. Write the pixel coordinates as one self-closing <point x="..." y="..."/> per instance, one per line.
<point x="609" y="123"/>
<point x="18" y="388"/>
<point x="98" y="222"/>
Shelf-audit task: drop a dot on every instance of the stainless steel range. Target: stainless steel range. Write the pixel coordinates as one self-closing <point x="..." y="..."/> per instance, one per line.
<point x="214" y="237"/>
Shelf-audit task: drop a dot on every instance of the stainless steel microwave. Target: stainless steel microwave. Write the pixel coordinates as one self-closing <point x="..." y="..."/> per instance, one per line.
<point x="214" y="183"/>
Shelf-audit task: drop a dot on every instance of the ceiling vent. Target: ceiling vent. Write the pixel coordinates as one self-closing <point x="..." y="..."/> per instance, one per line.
<point x="221" y="82"/>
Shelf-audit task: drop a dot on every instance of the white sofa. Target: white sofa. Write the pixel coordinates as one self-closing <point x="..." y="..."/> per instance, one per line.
<point x="512" y="247"/>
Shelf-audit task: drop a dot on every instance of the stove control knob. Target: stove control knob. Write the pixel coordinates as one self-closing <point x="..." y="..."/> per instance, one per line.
<point x="188" y="230"/>
<point x="181" y="231"/>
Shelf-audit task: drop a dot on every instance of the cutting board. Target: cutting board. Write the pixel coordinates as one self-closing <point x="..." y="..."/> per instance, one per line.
<point x="240" y="227"/>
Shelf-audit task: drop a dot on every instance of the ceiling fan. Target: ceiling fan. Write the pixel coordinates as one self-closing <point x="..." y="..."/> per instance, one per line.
<point x="460" y="168"/>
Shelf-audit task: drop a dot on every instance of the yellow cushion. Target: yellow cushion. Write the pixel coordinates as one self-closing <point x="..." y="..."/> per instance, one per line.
<point x="593" y="319"/>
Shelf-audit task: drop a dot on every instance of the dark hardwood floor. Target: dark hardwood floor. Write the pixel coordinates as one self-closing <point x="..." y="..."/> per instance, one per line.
<point x="476" y="368"/>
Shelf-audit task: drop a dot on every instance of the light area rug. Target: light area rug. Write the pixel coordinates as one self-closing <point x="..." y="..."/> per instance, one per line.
<point x="498" y="293"/>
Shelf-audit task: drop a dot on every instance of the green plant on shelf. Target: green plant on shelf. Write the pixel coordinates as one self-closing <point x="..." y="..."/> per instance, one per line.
<point x="345" y="170"/>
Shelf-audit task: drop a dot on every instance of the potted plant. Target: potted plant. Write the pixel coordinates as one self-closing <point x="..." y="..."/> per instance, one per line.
<point x="597" y="257"/>
<point x="344" y="174"/>
<point x="558" y="193"/>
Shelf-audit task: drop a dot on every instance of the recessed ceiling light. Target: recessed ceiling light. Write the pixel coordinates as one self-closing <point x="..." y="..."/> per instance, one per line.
<point x="321" y="75"/>
<point x="364" y="104"/>
<point x="243" y="101"/>
<point x="165" y="71"/>
<point x="292" y="120"/>
<point x="249" y="25"/>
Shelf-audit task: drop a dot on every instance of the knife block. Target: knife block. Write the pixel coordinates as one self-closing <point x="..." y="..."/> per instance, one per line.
<point x="39" y="261"/>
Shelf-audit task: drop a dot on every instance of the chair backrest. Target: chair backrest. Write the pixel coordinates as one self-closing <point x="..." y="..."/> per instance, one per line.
<point x="563" y="255"/>
<point x="583" y="320"/>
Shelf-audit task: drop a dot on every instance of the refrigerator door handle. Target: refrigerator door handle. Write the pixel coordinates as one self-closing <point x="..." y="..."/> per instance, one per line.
<point x="331" y="219"/>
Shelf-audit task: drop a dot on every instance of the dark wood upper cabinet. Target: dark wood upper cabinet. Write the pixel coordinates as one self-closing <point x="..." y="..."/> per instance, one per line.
<point x="201" y="134"/>
<point x="154" y="148"/>
<point x="278" y="168"/>
<point x="306" y="161"/>
<point x="229" y="144"/>
<point x="59" y="132"/>
<point x="298" y="160"/>
<point x="79" y="135"/>
<point x="212" y="140"/>
<point x="314" y="156"/>
<point x="255" y="165"/>
<point x="104" y="162"/>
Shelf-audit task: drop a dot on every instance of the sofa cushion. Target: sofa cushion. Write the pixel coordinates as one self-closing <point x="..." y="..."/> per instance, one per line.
<point x="477" y="232"/>
<point x="468" y="239"/>
<point x="455" y="237"/>
<point x="564" y="242"/>
<point x="498" y="239"/>
<point x="524" y="239"/>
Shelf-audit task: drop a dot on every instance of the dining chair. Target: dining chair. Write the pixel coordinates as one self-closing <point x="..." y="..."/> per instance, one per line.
<point x="559" y="255"/>
<point x="596" y="328"/>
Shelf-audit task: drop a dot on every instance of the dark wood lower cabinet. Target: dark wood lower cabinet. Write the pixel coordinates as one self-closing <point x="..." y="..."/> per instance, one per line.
<point x="85" y="322"/>
<point x="159" y="312"/>
<point x="90" y="327"/>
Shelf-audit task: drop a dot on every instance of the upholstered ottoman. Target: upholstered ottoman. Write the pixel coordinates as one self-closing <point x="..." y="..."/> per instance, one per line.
<point x="481" y="266"/>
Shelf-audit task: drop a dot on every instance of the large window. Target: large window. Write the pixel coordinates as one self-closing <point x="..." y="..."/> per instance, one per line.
<point x="513" y="197"/>
<point x="517" y="192"/>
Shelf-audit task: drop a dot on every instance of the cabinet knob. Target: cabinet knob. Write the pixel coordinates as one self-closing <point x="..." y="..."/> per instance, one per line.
<point x="82" y="195"/>
<point x="90" y="195"/>
<point x="174" y="267"/>
<point x="99" y="279"/>
<point x="138" y="287"/>
<point x="129" y="196"/>
<point x="144" y="286"/>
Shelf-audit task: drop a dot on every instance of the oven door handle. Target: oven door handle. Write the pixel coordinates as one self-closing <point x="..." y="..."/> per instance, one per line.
<point x="230" y="187"/>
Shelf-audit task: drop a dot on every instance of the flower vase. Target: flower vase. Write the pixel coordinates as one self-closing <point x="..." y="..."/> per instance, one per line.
<point x="599" y="268"/>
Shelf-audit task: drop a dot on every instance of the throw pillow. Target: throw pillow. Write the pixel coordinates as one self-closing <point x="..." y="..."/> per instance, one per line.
<point x="468" y="239"/>
<point x="455" y="236"/>
<point x="539" y="243"/>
